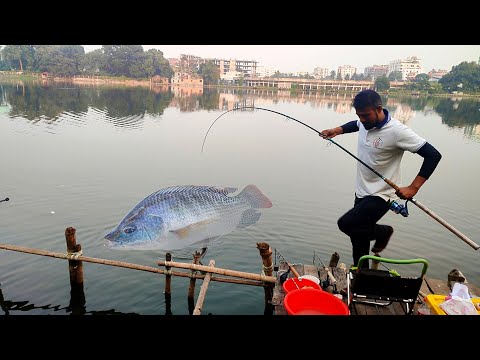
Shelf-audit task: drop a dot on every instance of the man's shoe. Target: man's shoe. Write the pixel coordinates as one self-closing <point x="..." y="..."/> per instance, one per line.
<point x="382" y="241"/>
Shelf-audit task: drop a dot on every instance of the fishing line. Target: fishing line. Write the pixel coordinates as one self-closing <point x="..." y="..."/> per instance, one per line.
<point x="392" y="184"/>
<point x="302" y="123"/>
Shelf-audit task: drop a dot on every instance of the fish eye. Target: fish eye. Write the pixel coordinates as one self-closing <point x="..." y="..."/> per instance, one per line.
<point x="129" y="229"/>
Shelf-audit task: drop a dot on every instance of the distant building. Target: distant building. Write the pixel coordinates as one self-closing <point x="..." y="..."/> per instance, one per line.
<point x="174" y="63"/>
<point x="409" y="67"/>
<point x="321" y="73"/>
<point x="159" y="80"/>
<point x="376" y="71"/>
<point x="436" y="75"/>
<point x="345" y="70"/>
<point x="191" y="62"/>
<point x="230" y="77"/>
<point x="246" y="67"/>
<point x="263" y="71"/>
<point x="183" y="78"/>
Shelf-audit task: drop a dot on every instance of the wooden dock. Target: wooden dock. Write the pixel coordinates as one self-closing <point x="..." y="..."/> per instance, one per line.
<point x="272" y="286"/>
<point x="429" y="286"/>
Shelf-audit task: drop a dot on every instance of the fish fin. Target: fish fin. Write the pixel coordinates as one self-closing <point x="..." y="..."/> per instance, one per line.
<point x="184" y="231"/>
<point x="255" y="197"/>
<point x="249" y="217"/>
<point x="222" y="189"/>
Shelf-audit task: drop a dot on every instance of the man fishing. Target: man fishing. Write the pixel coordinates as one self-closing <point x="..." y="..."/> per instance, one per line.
<point x="382" y="141"/>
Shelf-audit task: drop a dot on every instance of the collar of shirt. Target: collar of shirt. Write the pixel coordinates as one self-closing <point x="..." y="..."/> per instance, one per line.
<point x="387" y="119"/>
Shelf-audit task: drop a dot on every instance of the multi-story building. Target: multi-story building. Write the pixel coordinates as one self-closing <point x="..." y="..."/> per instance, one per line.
<point x="174" y="63"/>
<point x="246" y="67"/>
<point x="186" y="79"/>
<point x="409" y="67"/>
<point x="345" y="70"/>
<point x="321" y="73"/>
<point x="263" y="71"/>
<point x="436" y="75"/>
<point x="191" y="62"/>
<point x="376" y="71"/>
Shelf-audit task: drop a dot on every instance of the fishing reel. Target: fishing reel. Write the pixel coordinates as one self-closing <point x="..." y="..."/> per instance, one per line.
<point x="398" y="208"/>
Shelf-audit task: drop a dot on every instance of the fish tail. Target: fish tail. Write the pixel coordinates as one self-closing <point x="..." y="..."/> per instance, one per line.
<point x="255" y="197"/>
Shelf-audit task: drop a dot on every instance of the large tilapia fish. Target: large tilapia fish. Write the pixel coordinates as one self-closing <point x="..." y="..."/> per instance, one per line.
<point x="181" y="216"/>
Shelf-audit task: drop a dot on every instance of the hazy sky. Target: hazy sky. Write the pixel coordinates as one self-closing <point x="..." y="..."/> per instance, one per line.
<point x="293" y="58"/>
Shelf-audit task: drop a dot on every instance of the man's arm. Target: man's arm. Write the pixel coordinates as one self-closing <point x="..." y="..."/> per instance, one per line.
<point x="349" y="127"/>
<point x="431" y="158"/>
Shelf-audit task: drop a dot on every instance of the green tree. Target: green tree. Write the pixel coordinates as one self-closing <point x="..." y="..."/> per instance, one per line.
<point x="209" y="72"/>
<point x="156" y="64"/>
<point x="463" y="77"/>
<point x="395" y="76"/>
<point x="63" y="60"/>
<point x="382" y="83"/>
<point x="92" y="62"/>
<point x="20" y="57"/>
<point x="421" y="83"/>
<point x="120" y="60"/>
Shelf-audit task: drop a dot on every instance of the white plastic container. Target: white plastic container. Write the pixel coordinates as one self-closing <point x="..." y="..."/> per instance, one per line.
<point x="310" y="277"/>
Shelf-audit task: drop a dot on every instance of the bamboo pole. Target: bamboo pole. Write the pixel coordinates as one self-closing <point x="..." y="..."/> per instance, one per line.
<point x="75" y="269"/>
<point x="168" y="277"/>
<point x="168" y="290"/>
<point x="74" y="250"/>
<point x="245" y="275"/>
<point x="266" y="254"/>
<point x="203" y="290"/>
<point x="191" y="288"/>
<point x="260" y="282"/>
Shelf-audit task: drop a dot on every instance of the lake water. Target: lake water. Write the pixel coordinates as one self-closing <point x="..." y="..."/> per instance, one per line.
<point x="82" y="157"/>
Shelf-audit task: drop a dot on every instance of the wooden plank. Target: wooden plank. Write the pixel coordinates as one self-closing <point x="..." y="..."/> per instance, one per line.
<point x="436" y="286"/>
<point x="440" y="287"/>
<point x="429" y="286"/>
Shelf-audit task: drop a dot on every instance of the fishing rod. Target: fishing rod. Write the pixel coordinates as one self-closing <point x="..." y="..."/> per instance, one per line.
<point x="330" y="278"/>
<point x="284" y="276"/>
<point x="389" y="182"/>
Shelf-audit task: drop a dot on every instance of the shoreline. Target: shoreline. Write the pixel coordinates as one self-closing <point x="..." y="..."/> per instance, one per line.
<point x="97" y="81"/>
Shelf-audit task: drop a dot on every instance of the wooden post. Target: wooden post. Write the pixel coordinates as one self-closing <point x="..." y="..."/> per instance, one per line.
<point x="74" y="250"/>
<point x="168" y="283"/>
<point x="334" y="260"/>
<point x="75" y="268"/>
<point x="191" y="289"/>
<point x="203" y="290"/>
<point x="266" y="254"/>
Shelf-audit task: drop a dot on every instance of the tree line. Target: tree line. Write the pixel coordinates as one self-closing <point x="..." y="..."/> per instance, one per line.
<point x="129" y="61"/>
<point x="464" y="77"/>
<point x="132" y="61"/>
<point x="71" y="60"/>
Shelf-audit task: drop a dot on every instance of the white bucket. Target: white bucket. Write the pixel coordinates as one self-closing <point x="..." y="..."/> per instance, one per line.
<point x="311" y="278"/>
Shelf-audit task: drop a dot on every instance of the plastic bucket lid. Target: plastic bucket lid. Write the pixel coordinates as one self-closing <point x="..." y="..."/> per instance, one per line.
<point x="314" y="302"/>
<point x="299" y="283"/>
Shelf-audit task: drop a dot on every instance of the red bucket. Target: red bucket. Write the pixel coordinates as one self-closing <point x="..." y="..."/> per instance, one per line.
<point x="299" y="283"/>
<point x="314" y="302"/>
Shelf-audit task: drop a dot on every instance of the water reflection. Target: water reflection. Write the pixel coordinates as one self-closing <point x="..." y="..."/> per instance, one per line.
<point x="126" y="107"/>
<point x="90" y="173"/>
<point x="76" y="307"/>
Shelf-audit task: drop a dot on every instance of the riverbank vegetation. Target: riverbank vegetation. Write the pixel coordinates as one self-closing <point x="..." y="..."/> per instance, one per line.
<point x="126" y="62"/>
